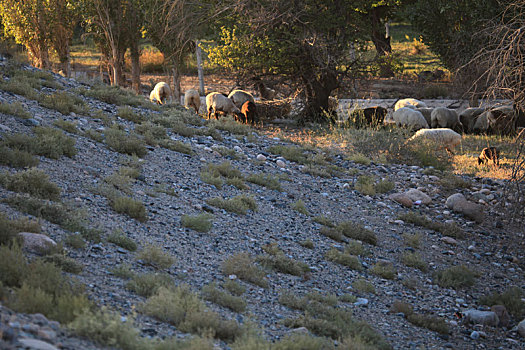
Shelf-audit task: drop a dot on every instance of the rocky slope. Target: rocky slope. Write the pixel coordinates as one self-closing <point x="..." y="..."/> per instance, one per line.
<point x="170" y="186"/>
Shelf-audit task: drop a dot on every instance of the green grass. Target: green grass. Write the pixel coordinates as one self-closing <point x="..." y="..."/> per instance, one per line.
<point x="119" y="238"/>
<point x="211" y="293"/>
<point x="32" y="181"/>
<point x="267" y="180"/>
<point x="129" y="206"/>
<point x="345" y="259"/>
<point x="200" y="223"/>
<point x="48" y="142"/>
<point x="456" y="277"/>
<point x="15" y="109"/>
<point x="351" y="230"/>
<point x="239" y="204"/>
<point x="125" y="143"/>
<point x="156" y="257"/>
<point x="243" y="266"/>
<point x="17" y="159"/>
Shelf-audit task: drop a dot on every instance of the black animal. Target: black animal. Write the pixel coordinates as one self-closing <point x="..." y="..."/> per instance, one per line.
<point x="489" y="153"/>
<point x="249" y="110"/>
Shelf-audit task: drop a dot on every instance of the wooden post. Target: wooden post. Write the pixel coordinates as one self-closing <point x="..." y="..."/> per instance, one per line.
<point x="199" y="68"/>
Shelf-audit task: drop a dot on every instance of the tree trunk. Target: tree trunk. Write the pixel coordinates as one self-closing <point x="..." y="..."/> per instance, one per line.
<point x="199" y="69"/>
<point x="135" y="66"/>
<point x="176" y="83"/>
<point x="379" y="36"/>
<point x="318" y="91"/>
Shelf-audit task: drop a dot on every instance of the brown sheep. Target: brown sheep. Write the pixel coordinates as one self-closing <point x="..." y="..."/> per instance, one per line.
<point x="489" y="153"/>
<point x="249" y="110"/>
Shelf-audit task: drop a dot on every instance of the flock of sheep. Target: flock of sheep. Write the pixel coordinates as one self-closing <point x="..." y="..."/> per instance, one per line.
<point x="442" y="126"/>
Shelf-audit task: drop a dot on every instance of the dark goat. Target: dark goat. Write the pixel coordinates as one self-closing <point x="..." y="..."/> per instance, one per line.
<point x="489" y="153"/>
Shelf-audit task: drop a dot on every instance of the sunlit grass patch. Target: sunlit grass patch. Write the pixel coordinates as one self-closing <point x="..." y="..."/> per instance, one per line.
<point x="16" y="109"/>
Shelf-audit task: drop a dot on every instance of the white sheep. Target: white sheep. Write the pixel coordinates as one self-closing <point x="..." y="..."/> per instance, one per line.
<point x="160" y="93"/>
<point x="442" y="117"/>
<point x="442" y="137"/>
<point x="239" y="97"/>
<point x="468" y="118"/>
<point x="427" y="112"/>
<point x="502" y="120"/>
<point x="192" y="99"/>
<point x="217" y="102"/>
<point x="410" y="103"/>
<point x="481" y="125"/>
<point x="410" y="118"/>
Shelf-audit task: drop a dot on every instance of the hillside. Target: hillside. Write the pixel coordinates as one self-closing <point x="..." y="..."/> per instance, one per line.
<point x="312" y="252"/>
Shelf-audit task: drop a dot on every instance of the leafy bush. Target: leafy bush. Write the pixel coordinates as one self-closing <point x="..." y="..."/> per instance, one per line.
<point x="122" y="142"/>
<point x="147" y="284"/>
<point x="345" y="259"/>
<point x="300" y="207"/>
<point x="48" y="142"/>
<point x="268" y="181"/>
<point x="414" y="260"/>
<point x="243" y="266"/>
<point x="456" y="277"/>
<point x="277" y="260"/>
<point x="32" y="181"/>
<point x="17" y="159"/>
<point x="119" y="238"/>
<point x="239" y="204"/>
<point x="130" y="207"/>
<point x="127" y="113"/>
<point x="201" y="223"/>
<point x="384" y="269"/>
<point x="211" y="293"/>
<point x="66" y="126"/>
<point x="451" y="230"/>
<point x="512" y="299"/>
<point x="63" y="102"/>
<point x="156" y="257"/>
<point x="16" y="109"/>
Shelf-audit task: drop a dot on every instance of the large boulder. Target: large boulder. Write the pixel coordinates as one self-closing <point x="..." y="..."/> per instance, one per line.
<point x="521" y="328"/>
<point x="417" y="195"/>
<point x="458" y="203"/>
<point x="454" y="199"/>
<point x="36" y="242"/>
<point x="503" y="315"/>
<point x="486" y="318"/>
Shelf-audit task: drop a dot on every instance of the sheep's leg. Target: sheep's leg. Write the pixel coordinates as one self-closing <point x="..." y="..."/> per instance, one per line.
<point x="209" y="113"/>
<point x="450" y="153"/>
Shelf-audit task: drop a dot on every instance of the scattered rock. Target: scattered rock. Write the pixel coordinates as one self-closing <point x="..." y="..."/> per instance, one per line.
<point x="453" y="199"/>
<point x="35" y="344"/>
<point x="458" y="203"/>
<point x="449" y="240"/>
<point x="521" y="328"/>
<point x="36" y="242"/>
<point x="261" y="158"/>
<point x="280" y="163"/>
<point x="402" y="199"/>
<point x="474" y="335"/>
<point x="417" y="195"/>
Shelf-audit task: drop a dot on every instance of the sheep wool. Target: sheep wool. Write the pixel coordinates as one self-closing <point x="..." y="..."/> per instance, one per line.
<point x="442" y="117"/>
<point x="410" y="103"/>
<point x="240" y="96"/>
<point x="442" y="137"/>
<point x="410" y="118"/>
<point x="192" y="99"/>
<point x="217" y="102"/>
<point x="160" y="93"/>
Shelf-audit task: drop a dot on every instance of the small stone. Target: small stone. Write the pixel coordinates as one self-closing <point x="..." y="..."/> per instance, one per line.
<point x="361" y="302"/>
<point x="232" y="277"/>
<point x="521" y="328"/>
<point x="261" y="158"/>
<point x="35" y="344"/>
<point x="46" y="334"/>
<point x="300" y="330"/>
<point x="4" y="128"/>
<point x="237" y="149"/>
<point x="208" y="149"/>
<point x="402" y="199"/>
<point x="30" y="122"/>
<point x="474" y="335"/>
<point x="399" y="222"/>
<point x="449" y="240"/>
<point x="471" y="247"/>
<point x="280" y="163"/>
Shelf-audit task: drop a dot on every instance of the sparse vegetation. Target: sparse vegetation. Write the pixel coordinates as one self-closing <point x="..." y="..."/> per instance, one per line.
<point x="512" y="299"/>
<point x="243" y="266"/>
<point x="413" y="259"/>
<point x="277" y="260"/>
<point x="48" y="142"/>
<point x="222" y="298"/>
<point x="412" y="240"/>
<point x="234" y="287"/>
<point x="201" y="223"/>
<point x="361" y="285"/>
<point x="127" y="113"/>
<point x="239" y="204"/>
<point x="351" y="230"/>
<point x="122" y="142"/>
<point x="268" y="181"/>
<point x="345" y="259"/>
<point x="456" y="277"/>
<point x="16" y="109"/>
<point x="130" y="207"/>
<point x="119" y="238"/>
<point x="147" y="284"/>
<point x="63" y="102"/>
<point x="66" y="126"/>
<point x="307" y="243"/>
<point x="117" y="96"/>
<point x="176" y="146"/>
<point x="32" y="181"/>
<point x="436" y="324"/>
<point x="16" y="158"/>
<point x="450" y="230"/>
<point x="323" y="220"/>
<point x="9" y="228"/>
<point x="300" y="207"/>
<point x="155" y="256"/>
<point x="94" y="135"/>
<point x="367" y="185"/>
<point x="65" y="263"/>
<point x="75" y="241"/>
<point x="384" y="269"/>
<point x="291" y="153"/>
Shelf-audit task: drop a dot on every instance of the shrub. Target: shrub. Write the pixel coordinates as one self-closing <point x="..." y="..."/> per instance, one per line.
<point x="117" y="96"/>
<point x="211" y="179"/>
<point x="52" y="212"/>
<point x="16" y="109"/>
<point x="48" y="142"/>
<point x="230" y="125"/>
<point x="332" y="233"/>
<point x="351" y="230"/>
<point x="75" y="241"/>
<point x="130" y="207"/>
<point x="237" y="182"/>
<point x="20" y="87"/>
<point x="119" y="238"/>
<point x="414" y="260"/>
<point x="239" y="204"/>
<point x="156" y="257"/>
<point x="219" y="297"/>
<point x="512" y="299"/>
<point x="32" y="181"/>
<point x="128" y="114"/>
<point x="147" y="284"/>
<point x="278" y="261"/>
<point x="17" y="159"/>
<point x="66" y="126"/>
<point x="366" y="185"/>
<point x="224" y="169"/>
<point x="234" y="287"/>
<point x="359" y="158"/>
<point x="63" y="102"/>
<point x="307" y="244"/>
<point x="201" y="223"/>
<point x="122" y="142"/>
<point x="176" y="146"/>
<point x="436" y="324"/>
<point x="323" y="220"/>
<point x="291" y="153"/>
<point x="345" y="259"/>
<point x="384" y="269"/>
<point x="451" y="230"/>
<point x="13" y="267"/>
<point x="94" y="135"/>
<point x="123" y="271"/>
<point x="412" y="240"/>
<point x="242" y="265"/>
<point x="64" y="263"/>
<point x="456" y="277"/>
<point x="354" y="248"/>
<point x="328" y="299"/>
<point x="9" y="229"/>
<point x="300" y="207"/>
<point x="268" y="181"/>
<point x="361" y="285"/>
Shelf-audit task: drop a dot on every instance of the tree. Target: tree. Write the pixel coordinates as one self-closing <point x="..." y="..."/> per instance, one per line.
<point x="308" y="42"/>
<point x="174" y="26"/>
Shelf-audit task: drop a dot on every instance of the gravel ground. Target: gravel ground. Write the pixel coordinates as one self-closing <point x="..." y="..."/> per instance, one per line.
<point x="493" y="248"/>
